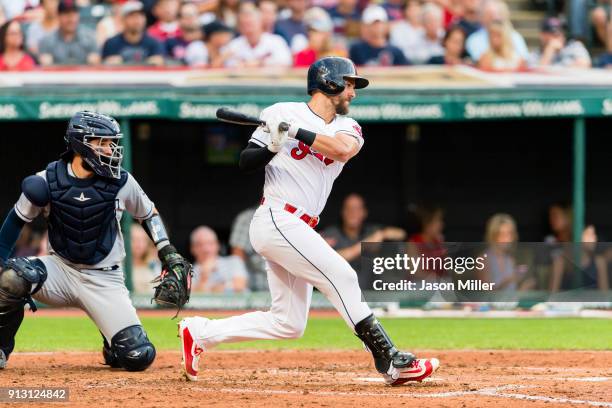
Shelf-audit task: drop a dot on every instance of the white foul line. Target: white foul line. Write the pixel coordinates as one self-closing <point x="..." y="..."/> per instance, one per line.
<point x="550" y="399"/>
<point x="492" y="392"/>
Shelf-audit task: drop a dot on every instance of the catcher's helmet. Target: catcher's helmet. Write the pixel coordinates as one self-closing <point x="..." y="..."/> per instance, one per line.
<point x="328" y="75"/>
<point x="83" y="127"/>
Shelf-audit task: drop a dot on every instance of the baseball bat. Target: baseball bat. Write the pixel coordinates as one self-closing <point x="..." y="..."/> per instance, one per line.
<point x="239" y="118"/>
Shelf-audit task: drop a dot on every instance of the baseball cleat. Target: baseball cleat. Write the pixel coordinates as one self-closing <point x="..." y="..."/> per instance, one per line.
<point x="420" y="369"/>
<point x="190" y="350"/>
<point x="3" y="359"/>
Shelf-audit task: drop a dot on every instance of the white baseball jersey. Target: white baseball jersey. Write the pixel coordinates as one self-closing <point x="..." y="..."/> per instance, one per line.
<point x="298" y="174"/>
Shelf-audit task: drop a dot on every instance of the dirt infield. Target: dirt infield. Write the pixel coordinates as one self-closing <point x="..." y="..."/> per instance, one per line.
<point x="324" y="379"/>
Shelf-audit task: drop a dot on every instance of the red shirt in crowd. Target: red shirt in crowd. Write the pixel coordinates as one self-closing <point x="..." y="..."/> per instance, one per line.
<point x="163" y="31"/>
<point x="308" y="56"/>
<point x="433" y="249"/>
<point x="26" y="63"/>
<point x="305" y="58"/>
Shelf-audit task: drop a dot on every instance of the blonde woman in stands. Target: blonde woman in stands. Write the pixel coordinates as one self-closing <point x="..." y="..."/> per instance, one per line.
<point x="502" y="54"/>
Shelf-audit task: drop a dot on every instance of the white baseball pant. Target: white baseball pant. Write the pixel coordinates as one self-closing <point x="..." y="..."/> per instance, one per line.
<point x="298" y="259"/>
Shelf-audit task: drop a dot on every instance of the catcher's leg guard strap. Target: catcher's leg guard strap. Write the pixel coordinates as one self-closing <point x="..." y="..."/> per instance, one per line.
<point x="371" y="332"/>
<point x="16" y="282"/>
<point x="132" y="349"/>
<point x="107" y="353"/>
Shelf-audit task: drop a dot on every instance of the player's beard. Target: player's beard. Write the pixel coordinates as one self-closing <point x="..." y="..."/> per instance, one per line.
<point x="342" y="106"/>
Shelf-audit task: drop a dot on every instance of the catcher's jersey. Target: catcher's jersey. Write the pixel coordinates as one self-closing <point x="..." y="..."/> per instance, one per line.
<point x="298" y="174"/>
<point x="130" y="198"/>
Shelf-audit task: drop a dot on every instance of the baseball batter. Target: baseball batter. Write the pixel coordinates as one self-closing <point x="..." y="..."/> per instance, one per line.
<point x="301" y="165"/>
<point x="83" y="196"/>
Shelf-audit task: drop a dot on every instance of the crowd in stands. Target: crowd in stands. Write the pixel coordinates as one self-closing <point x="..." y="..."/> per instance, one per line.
<point x="284" y="33"/>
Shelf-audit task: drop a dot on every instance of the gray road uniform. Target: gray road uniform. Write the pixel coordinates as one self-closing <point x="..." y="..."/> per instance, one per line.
<point x="86" y="246"/>
<point x="98" y="289"/>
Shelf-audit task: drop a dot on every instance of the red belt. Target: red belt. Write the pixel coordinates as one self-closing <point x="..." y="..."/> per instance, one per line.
<point x="311" y="221"/>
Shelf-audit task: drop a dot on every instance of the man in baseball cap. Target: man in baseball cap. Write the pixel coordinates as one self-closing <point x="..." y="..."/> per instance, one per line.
<point x="133" y="46"/>
<point x="374" y="48"/>
<point x="556" y="50"/>
<point x="71" y="43"/>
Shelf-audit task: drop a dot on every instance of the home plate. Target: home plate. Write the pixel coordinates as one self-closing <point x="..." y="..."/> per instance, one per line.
<point x="380" y="379"/>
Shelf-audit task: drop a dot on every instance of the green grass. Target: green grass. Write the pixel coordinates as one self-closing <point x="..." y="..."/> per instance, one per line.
<point x="79" y="333"/>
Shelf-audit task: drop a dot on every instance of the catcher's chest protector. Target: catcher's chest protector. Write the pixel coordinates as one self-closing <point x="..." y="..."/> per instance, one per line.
<point x="82" y="222"/>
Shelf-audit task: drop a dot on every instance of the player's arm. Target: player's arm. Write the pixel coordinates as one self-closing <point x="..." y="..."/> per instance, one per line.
<point x="255" y="157"/>
<point x="264" y="144"/>
<point x="342" y="147"/>
<point x="35" y="196"/>
<point x="175" y="279"/>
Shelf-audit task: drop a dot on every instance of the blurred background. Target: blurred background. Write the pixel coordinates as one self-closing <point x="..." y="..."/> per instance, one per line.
<point x="486" y="120"/>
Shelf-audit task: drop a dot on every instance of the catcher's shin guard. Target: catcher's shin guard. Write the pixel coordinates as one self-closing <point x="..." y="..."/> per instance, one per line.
<point x="16" y="281"/>
<point x="385" y="354"/>
<point x="9" y="324"/>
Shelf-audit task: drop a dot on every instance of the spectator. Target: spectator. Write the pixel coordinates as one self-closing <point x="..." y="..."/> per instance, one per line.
<point x="374" y="48"/>
<point x="493" y="11"/>
<point x="213" y="273"/>
<point x="269" y="15"/>
<point x="69" y="44"/>
<point x="600" y="17"/>
<point x="469" y="19"/>
<point x="208" y="53"/>
<point x="394" y="9"/>
<point x="555" y="50"/>
<point x="405" y="33"/>
<point x="22" y="10"/>
<point x="501" y="265"/>
<point x="145" y="264"/>
<point x="110" y="25"/>
<point x="605" y="61"/>
<point x="254" y="47"/>
<point x="190" y="31"/>
<point x="292" y="28"/>
<point x="346" y="238"/>
<point x="167" y="24"/>
<point x="346" y="18"/>
<point x="560" y="222"/>
<point x="39" y="29"/>
<point x="451" y="10"/>
<point x="430" y="239"/>
<point x="240" y="244"/>
<point x="428" y="42"/>
<point x="12" y="55"/>
<point x="133" y="45"/>
<point x="593" y="268"/>
<point x="501" y="56"/>
<point x="320" y="42"/>
<point x="226" y="11"/>
<point x="454" y="48"/>
<point x="431" y="220"/>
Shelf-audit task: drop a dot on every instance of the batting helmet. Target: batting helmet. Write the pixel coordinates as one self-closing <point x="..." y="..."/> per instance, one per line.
<point x="83" y="127"/>
<point x="328" y="75"/>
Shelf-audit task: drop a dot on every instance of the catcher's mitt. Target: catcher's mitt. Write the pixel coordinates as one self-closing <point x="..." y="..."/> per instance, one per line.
<point x="175" y="279"/>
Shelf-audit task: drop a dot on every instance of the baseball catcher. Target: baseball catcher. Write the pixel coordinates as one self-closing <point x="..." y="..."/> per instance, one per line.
<point x="83" y="196"/>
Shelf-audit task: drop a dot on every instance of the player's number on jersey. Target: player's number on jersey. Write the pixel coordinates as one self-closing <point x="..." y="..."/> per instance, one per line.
<point x="302" y="150"/>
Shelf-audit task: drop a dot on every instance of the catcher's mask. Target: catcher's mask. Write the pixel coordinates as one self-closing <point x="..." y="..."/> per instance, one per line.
<point x="96" y="138"/>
